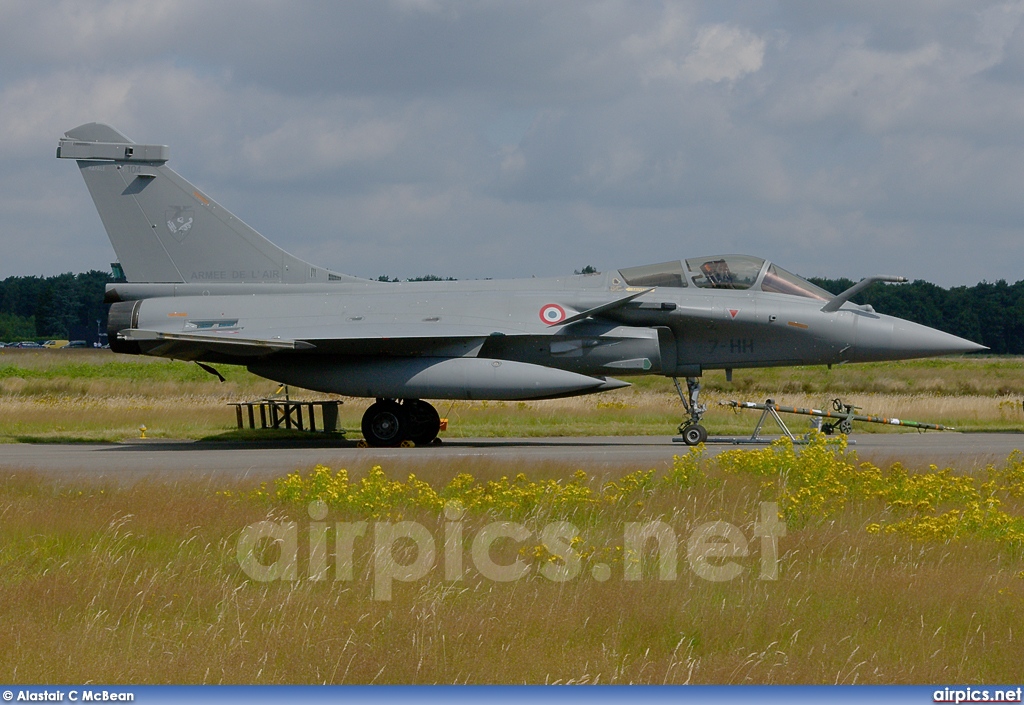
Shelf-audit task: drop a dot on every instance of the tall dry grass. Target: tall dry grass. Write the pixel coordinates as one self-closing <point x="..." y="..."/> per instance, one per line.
<point x="142" y="584"/>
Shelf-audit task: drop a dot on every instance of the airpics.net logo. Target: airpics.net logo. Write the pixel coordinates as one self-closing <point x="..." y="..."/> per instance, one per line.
<point x="714" y="551"/>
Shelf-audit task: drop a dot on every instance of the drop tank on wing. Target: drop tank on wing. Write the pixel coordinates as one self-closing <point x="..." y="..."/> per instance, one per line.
<point x="432" y="378"/>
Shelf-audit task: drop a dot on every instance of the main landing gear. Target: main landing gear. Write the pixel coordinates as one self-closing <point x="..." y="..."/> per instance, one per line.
<point x="390" y="423"/>
<point x="690" y="429"/>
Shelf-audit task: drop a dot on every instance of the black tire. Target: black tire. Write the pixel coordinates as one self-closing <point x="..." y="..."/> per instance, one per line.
<point x="385" y="424"/>
<point x="692" y="435"/>
<point x="424" y="421"/>
<point x="846" y="426"/>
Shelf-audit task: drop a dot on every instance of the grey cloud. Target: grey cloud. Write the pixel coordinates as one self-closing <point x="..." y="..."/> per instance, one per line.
<point x="511" y="138"/>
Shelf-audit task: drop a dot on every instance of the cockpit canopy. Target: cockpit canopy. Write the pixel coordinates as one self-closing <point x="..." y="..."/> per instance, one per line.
<point x="724" y="272"/>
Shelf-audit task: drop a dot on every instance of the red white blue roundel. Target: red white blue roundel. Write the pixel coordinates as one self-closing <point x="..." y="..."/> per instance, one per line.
<point x="552" y="313"/>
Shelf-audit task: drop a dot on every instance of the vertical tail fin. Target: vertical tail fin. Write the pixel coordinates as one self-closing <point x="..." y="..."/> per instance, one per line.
<point x="163" y="228"/>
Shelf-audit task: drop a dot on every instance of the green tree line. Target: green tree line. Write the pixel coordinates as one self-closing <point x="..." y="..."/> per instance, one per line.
<point x="65" y="306"/>
<point x="68" y="305"/>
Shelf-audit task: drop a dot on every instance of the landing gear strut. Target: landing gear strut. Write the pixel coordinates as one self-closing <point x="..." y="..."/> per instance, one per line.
<point x="690" y="429"/>
<point x="388" y="423"/>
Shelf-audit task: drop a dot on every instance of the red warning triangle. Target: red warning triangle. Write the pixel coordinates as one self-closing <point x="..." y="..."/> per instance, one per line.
<point x="733" y="312"/>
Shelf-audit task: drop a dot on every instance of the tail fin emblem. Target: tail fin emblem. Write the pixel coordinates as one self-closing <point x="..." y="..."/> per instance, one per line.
<point x="179" y="222"/>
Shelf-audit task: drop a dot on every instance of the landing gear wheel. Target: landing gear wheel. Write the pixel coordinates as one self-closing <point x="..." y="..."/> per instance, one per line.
<point x="694" y="434"/>
<point x="384" y="424"/>
<point x="690" y="429"/>
<point x="424" y="421"/>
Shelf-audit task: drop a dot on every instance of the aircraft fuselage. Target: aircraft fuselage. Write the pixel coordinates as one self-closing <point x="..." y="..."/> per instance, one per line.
<point x="672" y="331"/>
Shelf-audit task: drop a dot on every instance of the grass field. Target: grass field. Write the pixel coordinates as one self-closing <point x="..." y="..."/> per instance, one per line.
<point x="97" y="395"/>
<point x="881" y="577"/>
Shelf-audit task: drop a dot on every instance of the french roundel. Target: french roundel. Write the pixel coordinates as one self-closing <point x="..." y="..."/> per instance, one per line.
<point x="552" y="313"/>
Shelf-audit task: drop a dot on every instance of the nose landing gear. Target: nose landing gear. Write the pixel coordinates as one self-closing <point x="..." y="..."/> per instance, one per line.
<point x="690" y="429"/>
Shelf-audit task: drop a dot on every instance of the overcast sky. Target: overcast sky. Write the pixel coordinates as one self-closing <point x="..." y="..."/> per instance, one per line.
<point x="506" y="139"/>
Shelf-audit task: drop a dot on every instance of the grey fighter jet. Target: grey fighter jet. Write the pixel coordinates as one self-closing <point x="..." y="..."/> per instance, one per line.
<point x="202" y="285"/>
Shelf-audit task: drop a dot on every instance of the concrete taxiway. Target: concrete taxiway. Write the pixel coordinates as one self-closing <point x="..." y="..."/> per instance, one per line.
<point x="236" y="461"/>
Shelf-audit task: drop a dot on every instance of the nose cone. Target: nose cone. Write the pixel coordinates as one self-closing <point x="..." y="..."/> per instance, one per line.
<point x="889" y="338"/>
<point x="914" y="340"/>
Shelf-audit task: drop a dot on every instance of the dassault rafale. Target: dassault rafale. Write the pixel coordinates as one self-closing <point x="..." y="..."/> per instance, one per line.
<point x="201" y="285"/>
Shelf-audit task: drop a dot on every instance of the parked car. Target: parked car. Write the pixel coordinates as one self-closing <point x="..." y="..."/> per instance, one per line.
<point x="56" y="344"/>
<point x="77" y="344"/>
<point x="27" y="344"/>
